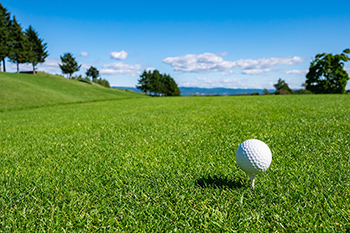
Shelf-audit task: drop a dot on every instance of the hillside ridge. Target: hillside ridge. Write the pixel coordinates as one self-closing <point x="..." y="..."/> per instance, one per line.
<point x="18" y="91"/>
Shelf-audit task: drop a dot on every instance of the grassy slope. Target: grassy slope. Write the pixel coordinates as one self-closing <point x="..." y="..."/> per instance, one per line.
<point x="167" y="164"/>
<point x="26" y="90"/>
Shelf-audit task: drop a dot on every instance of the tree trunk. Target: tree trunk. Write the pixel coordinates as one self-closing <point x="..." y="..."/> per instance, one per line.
<point x="17" y="68"/>
<point x="3" y="61"/>
<point x="33" y="68"/>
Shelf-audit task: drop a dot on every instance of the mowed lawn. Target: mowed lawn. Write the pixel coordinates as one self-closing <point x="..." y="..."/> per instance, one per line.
<point x="168" y="164"/>
<point x="19" y="91"/>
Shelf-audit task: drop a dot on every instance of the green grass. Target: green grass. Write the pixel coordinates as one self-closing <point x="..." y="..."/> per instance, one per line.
<point x="168" y="164"/>
<point x="27" y="91"/>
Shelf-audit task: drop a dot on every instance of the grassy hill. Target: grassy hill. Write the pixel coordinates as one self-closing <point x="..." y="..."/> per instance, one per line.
<point x="27" y="90"/>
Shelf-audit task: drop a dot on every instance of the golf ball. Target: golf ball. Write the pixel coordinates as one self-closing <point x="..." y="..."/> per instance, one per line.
<point x="253" y="156"/>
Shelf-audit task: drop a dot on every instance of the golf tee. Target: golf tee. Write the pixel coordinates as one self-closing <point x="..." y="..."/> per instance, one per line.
<point x="252" y="180"/>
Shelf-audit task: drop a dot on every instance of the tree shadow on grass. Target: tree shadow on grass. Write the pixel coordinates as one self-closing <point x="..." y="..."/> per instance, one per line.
<point x="219" y="182"/>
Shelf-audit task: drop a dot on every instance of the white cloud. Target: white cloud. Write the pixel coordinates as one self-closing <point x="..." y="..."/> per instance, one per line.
<point x="12" y="67"/>
<point x="50" y="66"/>
<point x="300" y="72"/>
<point x="199" y="63"/>
<point x="209" y="83"/>
<point x="85" y="66"/>
<point x="122" y="55"/>
<point x="150" y="69"/>
<point x="209" y="62"/>
<point x="267" y="62"/>
<point x="256" y="71"/>
<point x="84" y="54"/>
<point x="227" y="73"/>
<point x="120" y="68"/>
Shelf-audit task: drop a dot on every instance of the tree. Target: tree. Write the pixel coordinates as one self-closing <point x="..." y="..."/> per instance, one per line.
<point x="170" y="86"/>
<point x="103" y="82"/>
<point x="36" y="48"/>
<point x="93" y="73"/>
<point x="282" y="88"/>
<point x="19" y="44"/>
<point x="158" y="84"/>
<point x="69" y="64"/>
<point x="5" y="20"/>
<point x="144" y="81"/>
<point x="326" y="73"/>
<point x="303" y="90"/>
<point x="266" y="92"/>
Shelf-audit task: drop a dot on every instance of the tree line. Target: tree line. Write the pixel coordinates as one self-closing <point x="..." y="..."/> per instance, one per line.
<point x="20" y="46"/>
<point x="157" y="84"/>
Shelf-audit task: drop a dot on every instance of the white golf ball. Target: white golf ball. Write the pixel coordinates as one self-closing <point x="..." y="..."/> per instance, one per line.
<point x="253" y="156"/>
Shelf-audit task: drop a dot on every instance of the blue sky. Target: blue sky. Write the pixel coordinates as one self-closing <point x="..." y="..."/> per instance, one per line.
<point x="245" y="44"/>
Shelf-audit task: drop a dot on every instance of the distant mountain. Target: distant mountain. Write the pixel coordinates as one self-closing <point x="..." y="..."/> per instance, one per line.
<point x="191" y="91"/>
<point x="127" y="88"/>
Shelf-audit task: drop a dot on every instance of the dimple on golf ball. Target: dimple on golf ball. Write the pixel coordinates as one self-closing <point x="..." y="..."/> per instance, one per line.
<point x="253" y="156"/>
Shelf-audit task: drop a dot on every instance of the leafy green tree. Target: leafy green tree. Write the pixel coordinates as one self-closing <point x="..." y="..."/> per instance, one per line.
<point x="158" y="84"/>
<point x="266" y="92"/>
<point x="5" y="20"/>
<point x="282" y="88"/>
<point x="37" y="50"/>
<point x="69" y="64"/>
<point x="19" y="44"/>
<point x="93" y="73"/>
<point x="326" y="73"/>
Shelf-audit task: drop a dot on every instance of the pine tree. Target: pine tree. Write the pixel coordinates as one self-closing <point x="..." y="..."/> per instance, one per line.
<point x="156" y="85"/>
<point x="5" y="19"/>
<point x="170" y="86"/>
<point x="69" y="64"/>
<point x="37" y="50"/>
<point x="144" y="82"/>
<point x="19" y="44"/>
<point x="159" y="84"/>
